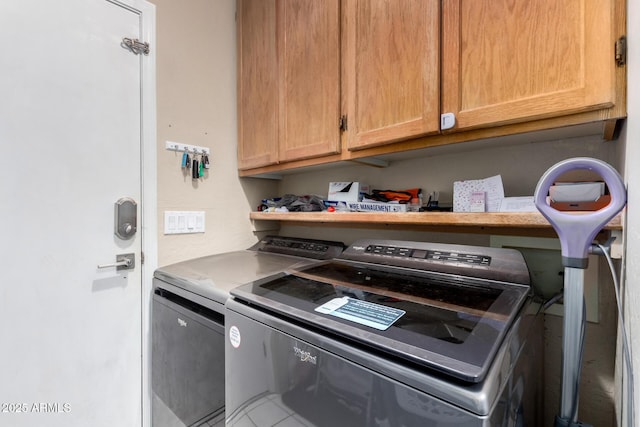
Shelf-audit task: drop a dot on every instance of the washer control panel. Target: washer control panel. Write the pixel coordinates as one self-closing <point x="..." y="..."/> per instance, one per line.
<point x="308" y="248"/>
<point x="477" y="261"/>
<point x="433" y="255"/>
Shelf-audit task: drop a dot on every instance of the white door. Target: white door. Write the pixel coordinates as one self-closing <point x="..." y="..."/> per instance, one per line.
<point x="70" y="131"/>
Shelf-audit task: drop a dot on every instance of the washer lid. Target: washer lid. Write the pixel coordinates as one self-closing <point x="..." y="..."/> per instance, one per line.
<point x="214" y="276"/>
<point x="450" y="323"/>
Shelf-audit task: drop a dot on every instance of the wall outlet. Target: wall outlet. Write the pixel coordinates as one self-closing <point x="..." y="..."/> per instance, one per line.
<point x="183" y="222"/>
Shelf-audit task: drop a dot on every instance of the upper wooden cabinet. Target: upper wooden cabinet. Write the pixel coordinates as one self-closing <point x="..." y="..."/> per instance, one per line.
<point x="258" y="93"/>
<point x="288" y="80"/>
<point x="391" y="69"/>
<point x="506" y="61"/>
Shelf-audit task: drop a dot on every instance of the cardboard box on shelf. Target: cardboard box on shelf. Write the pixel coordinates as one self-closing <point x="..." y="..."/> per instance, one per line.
<point x="346" y="191"/>
<point x="576" y="191"/>
<point x="376" y="207"/>
<point x="593" y="205"/>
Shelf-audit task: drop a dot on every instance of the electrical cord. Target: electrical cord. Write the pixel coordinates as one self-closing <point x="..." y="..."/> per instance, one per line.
<point x="625" y="343"/>
<point x="554" y="299"/>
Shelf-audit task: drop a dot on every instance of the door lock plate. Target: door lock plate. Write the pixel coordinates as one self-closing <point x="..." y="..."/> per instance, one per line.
<point x="125" y="218"/>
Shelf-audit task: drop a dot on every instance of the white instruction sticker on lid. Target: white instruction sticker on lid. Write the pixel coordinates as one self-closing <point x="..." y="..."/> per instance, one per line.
<point x="365" y="313"/>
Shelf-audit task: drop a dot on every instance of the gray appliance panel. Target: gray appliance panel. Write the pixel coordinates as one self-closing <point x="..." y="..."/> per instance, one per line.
<point x="215" y="275"/>
<point x="317" y="380"/>
<point x="188" y="351"/>
<point x="296" y="383"/>
<point x="181" y="340"/>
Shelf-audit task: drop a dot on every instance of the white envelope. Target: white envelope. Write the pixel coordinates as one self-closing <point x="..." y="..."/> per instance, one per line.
<point x="576" y="191"/>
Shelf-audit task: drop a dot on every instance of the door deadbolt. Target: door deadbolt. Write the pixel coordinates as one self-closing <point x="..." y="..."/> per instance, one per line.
<point x="125" y="218"/>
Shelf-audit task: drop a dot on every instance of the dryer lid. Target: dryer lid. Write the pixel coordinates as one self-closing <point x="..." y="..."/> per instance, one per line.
<point x="451" y="323"/>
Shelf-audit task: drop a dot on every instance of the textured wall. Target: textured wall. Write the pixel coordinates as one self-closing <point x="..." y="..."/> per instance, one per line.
<point x="196" y="82"/>
<point x="630" y="138"/>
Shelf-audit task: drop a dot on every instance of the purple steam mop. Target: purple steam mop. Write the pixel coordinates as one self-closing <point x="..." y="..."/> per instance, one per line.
<point x="576" y="232"/>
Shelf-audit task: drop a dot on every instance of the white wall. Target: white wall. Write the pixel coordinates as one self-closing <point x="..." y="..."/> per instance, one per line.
<point x="631" y="140"/>
<point x="196" y="81"/>
<point x="520" y="165"/>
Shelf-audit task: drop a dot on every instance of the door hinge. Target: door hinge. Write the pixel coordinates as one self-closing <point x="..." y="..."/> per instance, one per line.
<point x="141" y="257"/>
<point x="136" y="46"/>
<point x="342" y="123"/>
<point x="621" y="51"/>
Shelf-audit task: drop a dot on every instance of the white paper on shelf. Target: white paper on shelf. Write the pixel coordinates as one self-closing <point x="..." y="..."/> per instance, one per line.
<point x="492" y="186"/>
<point x="518" y="204"/>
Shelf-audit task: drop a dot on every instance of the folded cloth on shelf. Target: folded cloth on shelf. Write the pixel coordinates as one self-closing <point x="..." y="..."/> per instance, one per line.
<point x="293" y="203"/>
<point x="401" y="196"/>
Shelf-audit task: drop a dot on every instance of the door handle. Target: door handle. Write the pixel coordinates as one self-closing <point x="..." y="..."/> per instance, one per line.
<point x="123" y="262"/>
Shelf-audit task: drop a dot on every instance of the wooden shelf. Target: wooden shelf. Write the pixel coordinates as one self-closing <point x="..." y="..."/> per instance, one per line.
<point x="525" y="224"/>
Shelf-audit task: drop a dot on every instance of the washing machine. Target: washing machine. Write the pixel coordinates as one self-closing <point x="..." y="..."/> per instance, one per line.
<point x="389" y="334"/>
<point x="188" y="318"/>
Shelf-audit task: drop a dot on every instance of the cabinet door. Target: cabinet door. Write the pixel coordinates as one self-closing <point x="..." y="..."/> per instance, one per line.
<point x="392" y="70"/>
<point x="309" y="59"/>
<point x="508" y="61"/>
<point x="257" y="83"/>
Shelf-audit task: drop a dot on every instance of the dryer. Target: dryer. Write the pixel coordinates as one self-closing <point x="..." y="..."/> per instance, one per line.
<point x="188" y="323"/>
<point x="389" y="334"/>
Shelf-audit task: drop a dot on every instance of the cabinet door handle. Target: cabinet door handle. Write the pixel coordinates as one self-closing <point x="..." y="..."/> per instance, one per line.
<point x="447" y="121"/>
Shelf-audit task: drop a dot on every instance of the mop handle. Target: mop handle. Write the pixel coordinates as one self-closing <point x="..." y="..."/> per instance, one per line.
<point x="576" y="231"/>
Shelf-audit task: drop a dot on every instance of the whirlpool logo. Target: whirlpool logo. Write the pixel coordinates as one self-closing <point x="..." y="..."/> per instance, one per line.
<point x="304" y="356"/>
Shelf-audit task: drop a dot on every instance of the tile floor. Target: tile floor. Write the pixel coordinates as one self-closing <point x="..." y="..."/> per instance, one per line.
<point x="162" y="416"/>
<point x="267" y="411"/>
<point x="216" y="421"/>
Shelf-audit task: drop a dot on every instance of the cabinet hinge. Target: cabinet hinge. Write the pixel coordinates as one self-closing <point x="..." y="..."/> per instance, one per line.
<point x="343" y="123"/>
<point x="621" y="51"/>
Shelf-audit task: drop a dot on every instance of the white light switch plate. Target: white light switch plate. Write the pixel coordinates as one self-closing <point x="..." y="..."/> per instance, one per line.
<point x="183" y="222"/>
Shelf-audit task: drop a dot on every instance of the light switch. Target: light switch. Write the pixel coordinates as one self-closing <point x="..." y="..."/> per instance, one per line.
<point x="182" y="222"/>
